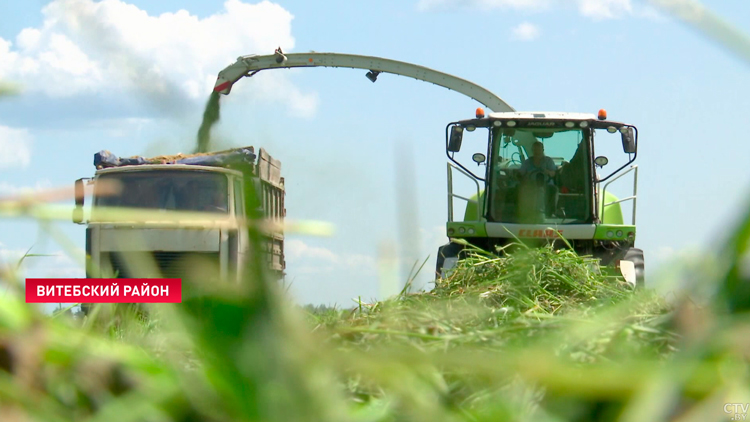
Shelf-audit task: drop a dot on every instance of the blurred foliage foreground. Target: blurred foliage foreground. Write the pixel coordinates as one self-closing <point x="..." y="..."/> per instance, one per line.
<point x="536" y="334"/>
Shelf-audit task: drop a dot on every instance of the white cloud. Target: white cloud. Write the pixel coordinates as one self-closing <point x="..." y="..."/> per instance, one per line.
<point x="270" y="86"/>
<point x="484" y="4"/>
<point x="50" y="265"/>
<point x="322" y="275"/>
<point x="59" y="265"/>
<point x="318" y="258"/>
<point x="604" y="9"/>
<point x="650" y="12"/>
<point x="8" y="189"/>
<point x="15" y="147"/>
<point x="11" y="256"/>
<point x="664" y="253"/>
<point x="685" y="9"/>
<point x="595" y="9"/>
<point x="112" y="47"/>
<point x="432" y="239"/>
<point x="526" y="32"/>
<point x="297" y="249"/>
<point x="670" y="255"/>
<point x="123" y="127"/>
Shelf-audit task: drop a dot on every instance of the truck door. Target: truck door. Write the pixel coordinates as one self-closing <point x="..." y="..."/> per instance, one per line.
<point x="238" y="256"/>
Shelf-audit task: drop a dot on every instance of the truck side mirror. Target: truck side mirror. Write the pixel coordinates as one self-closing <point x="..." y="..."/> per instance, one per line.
<point x="78" y="215"/>
<point x="454" y="143"/>
<point x="628" y="140"/>
<point x="79" y="193"/>
<point x="78" y="211"/>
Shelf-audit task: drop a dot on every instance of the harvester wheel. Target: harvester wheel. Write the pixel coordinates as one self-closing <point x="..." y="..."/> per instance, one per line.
<point x="635" y="255"/>
<point x="451" y="250"/>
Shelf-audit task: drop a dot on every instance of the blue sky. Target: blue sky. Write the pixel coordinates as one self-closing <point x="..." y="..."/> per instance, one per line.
<point x="133" y="76"/>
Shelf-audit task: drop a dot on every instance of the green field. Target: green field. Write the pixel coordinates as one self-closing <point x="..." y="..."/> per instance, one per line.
<point x="533" y="335"/>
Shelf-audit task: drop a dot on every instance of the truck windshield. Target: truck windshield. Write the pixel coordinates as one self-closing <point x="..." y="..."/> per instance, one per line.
<point x="540" y="176"/>
<point x="169" y="190"/>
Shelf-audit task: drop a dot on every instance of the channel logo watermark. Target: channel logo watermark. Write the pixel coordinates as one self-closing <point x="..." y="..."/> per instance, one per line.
<point x="738" y="411"/>
<point x="103" y="290"/>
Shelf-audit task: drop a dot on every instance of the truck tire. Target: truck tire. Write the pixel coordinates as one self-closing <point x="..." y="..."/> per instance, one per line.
<point x="635" y="255"/>
<point x="451" y="250"/>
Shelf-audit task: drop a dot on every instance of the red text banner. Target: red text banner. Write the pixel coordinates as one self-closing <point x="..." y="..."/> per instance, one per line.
<point x="103" y="290"/>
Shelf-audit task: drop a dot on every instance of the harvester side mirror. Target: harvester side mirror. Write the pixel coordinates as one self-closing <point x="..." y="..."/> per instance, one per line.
<point x="454" y="143"/>
<point x="78" y="210"/>
<point x="628" y="140"/>
<point x="478" y="158"/>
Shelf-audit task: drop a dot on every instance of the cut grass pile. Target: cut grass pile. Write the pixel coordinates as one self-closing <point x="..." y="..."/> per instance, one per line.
<point x="542" y="312"/>
<point x="516" y="300"/>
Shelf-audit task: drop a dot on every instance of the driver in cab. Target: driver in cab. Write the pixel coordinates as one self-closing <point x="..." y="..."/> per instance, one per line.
<point x="537" y="168"/>
<point x="538" y="162"/>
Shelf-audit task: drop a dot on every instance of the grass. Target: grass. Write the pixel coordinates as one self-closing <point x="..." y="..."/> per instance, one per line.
<point x="537" y="334"/>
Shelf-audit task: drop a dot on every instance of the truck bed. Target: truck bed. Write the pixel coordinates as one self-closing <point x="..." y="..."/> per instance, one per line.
<point x="261" y="167"/>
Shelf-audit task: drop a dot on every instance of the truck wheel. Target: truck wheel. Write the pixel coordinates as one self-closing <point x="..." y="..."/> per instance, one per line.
<point x="635" y="255"/>
<point x="451" y="250"/>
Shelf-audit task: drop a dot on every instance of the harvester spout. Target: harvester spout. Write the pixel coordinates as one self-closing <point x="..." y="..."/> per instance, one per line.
<point x="229" y="76"/>
<point x="249" y="65"/>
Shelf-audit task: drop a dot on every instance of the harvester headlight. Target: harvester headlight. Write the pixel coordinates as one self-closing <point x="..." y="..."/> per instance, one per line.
<point x="611" y="129"/>
<point x="623" y="129"/>
<point x="471" y="231"/>
<point x="569" y="124"/>
<point x="471" y="128"/>
<point x="461" y="230"/>
<point x="511" y="123"/>
<point x="619" y="233"/>
<point x="583" y="124"/>
<point x="631" y="236"/>
<point x="610" y="233"/>
<point x="451" y="231"/>
<point x="497" y="123"/>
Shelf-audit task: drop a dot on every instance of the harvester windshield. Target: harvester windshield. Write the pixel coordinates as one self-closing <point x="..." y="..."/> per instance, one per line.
<point x="538" y="169"/>
<point x="168" y="190"/>
<point x="539" y="175"/>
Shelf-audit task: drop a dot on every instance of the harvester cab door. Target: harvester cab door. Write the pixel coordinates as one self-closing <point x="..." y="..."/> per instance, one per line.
<point x="466" y="175"/>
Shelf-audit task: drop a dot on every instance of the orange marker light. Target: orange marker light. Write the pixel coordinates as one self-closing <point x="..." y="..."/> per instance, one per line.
<point x="602" y="114"/>
<point x="480" y="112"/>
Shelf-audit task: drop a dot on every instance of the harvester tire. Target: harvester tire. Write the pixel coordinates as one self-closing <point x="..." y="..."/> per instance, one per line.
<point x="451" y="250"/>
<point x="635" y="255"/>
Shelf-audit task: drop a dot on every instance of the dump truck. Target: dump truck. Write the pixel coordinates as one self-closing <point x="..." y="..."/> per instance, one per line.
<point x="167" y="212"/>
<point x="571" y="206"/>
